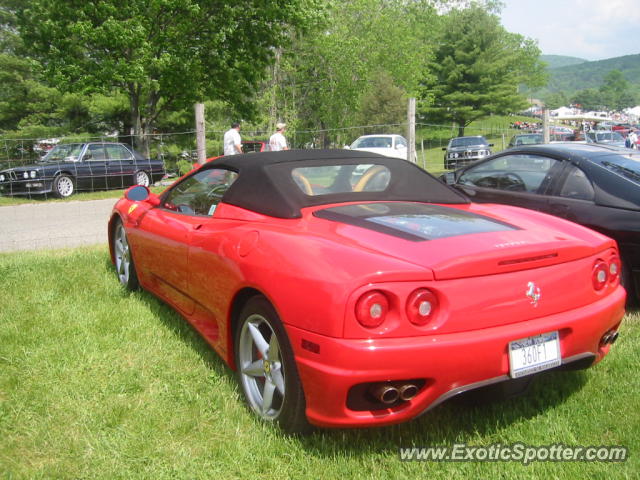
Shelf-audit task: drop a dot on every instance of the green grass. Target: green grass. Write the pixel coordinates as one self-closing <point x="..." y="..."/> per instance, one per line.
<point x="96" y="382"/>
<point x="430" y="140"/>
<point x="83" y="196"/>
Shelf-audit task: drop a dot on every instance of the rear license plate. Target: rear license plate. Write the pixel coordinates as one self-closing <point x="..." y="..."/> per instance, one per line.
<point x="534" y="354"/>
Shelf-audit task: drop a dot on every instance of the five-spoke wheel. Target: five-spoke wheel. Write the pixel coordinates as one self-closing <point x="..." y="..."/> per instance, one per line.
<point x="124" y="263"/>
<point x="266" y="369"/>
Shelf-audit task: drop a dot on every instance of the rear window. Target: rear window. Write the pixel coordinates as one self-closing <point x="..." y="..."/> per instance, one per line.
<point x="626" y="166"/>
<point x="332" y="179"/>
<point x="413" y="221"/>
<point x="468" y="141"/>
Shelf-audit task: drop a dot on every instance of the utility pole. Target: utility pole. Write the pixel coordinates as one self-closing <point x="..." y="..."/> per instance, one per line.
<point x="545" y="125"/>
<point x="200" y="135"/>
<point x="411" y="127"/>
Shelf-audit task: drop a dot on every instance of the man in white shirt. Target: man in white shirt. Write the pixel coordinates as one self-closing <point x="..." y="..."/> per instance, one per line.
<point x="277" y="141"/>
<point x="633" y="139"/>
<point x="232" y="141"/>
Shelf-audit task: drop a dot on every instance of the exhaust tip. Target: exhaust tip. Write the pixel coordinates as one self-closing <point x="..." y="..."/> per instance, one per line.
<point x="385" y="393"/>
<point x="609" y="338"/>
<point x="408" y="391"/>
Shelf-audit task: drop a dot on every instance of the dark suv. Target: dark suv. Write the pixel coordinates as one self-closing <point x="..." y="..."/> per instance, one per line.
<point x="464" y="150"/>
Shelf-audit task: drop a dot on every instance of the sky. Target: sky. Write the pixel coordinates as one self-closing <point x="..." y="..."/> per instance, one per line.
<point x="588" y="29"/>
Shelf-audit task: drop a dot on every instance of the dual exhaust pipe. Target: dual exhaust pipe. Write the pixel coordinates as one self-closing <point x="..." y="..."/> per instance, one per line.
<point x="389" y="393"/>
<point x="609" y="338"/>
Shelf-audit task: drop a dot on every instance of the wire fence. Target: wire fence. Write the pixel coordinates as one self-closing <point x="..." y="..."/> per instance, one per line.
<point x="58" y="225"/>
<point x="171" y="147"/>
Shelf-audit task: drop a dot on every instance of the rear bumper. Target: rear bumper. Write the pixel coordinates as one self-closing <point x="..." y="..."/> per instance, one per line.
<point x="449" y="364"/>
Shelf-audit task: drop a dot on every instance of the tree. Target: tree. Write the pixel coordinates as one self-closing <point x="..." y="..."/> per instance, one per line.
<point x="589" y="99"/>
<point x="616" y="91"/>
<point x="162" y="54"/>
<point x="322" y="80"/>
<point x="477" y="68"/>
<point x="555" y="100"/>
<point x="384" y="104"/>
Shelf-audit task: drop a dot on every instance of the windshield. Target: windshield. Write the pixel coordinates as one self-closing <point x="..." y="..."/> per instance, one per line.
<point x="606" y="136"/>
<point x="373" y="142"/>
<point x="527" y="139"/>
<point x="627" y="166"/>
<point x="468" y="141"/>
<point x="64" y="153"/>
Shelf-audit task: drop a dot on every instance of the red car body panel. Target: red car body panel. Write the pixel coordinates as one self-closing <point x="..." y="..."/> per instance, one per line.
<point x="313" y="271"/>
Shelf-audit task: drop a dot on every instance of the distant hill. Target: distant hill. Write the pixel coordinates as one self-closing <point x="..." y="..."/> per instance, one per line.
<point x="591" y="74"/>
<point x="570" y="74"/>
<point x="557" y="61"/>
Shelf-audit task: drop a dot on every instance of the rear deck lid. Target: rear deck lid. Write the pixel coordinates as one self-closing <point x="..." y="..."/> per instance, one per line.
<point x="461" y="241"/>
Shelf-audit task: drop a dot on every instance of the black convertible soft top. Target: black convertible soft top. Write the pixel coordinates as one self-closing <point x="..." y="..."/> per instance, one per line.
<point x="265" y="183"/>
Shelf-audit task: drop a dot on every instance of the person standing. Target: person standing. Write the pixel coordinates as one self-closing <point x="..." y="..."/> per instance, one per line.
<point x="277" y="141"/>
<point x="633" y="139"/>
<point x="232" y="141"/>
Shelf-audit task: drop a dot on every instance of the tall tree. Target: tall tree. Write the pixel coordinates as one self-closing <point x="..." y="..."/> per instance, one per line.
<point x="589" y="99"/>
<point x="616" y="91"/>
<point x="163" y="54"/>
<point x="477" y="68"/>
<point x="323" y="79"/>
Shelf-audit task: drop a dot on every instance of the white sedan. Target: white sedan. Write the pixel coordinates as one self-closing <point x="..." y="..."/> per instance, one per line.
<point x="389" y="145"/>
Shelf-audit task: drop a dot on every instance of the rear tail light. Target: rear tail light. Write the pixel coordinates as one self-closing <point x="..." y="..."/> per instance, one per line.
<point x="372" y="308"/>
<point x="600" y="275"/>
<point x="421" y="306"/>
<point x="614" y="268"/>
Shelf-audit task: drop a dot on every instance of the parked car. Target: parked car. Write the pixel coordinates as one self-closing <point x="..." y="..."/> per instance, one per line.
<point x="560" y="130"/>
<point x="607" y="137"/>
<point x="71" y="167"/>
<point x="526" y="139"/>
<point x="394" y="146"/>
<point x="464" y="150"/>
<point x="249" y="146"/>
<point x="622" y="128"/>
<point x="349" y="301"/>
<point x="594" y="185"/>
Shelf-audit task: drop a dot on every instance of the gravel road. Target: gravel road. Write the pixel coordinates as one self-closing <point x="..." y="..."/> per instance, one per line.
<point x="54" y="225"/>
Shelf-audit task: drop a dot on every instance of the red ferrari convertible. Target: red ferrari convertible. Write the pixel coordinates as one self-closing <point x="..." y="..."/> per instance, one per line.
<point x="350" y="289"/>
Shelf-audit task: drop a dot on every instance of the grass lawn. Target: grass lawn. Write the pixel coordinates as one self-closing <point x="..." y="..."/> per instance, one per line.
<point x="83" y="196"/>
<point x="96" y="382"/>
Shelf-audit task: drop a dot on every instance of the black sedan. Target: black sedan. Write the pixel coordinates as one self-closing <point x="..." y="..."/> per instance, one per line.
<point x="594" y="185"/>
<point x="82" y="166"/>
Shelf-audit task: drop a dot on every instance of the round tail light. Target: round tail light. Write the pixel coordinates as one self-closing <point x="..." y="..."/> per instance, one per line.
<point x="372" y="308"/>
<point x="600" y="275"/>
<point x="614" y="268"/>
<point x="421" y="306"/>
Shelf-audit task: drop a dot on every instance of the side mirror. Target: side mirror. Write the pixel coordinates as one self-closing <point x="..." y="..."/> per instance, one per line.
<point x="491" y="144"/>
<point x="140" y="193"/>
<point x="444" y="149"/>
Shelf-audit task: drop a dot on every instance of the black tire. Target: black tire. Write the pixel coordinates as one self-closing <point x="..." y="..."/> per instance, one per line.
<point x="125" y="268"/>
<point x="63" y="186"/>
<point x="266" y="369"/>
<point x="141" y="178"/>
